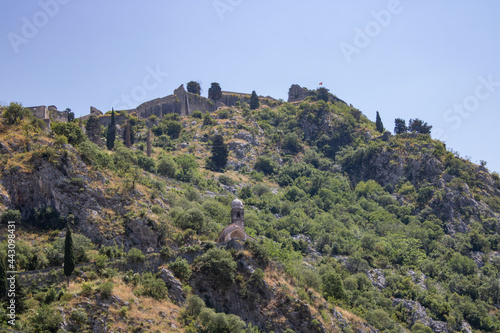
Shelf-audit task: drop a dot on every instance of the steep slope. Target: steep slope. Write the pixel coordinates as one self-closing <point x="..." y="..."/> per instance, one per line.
<point x="356" y="230"/>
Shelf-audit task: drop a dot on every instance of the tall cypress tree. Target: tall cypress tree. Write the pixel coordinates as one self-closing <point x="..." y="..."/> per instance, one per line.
<point x="254" y="101"/>
<point x="148" y="143"/>
<point x="3" y="278"/>
<point x="110" y="138"/>
<point x="69" y="256"/>
<point x="378" y="123"/>
<point x="218" y="160"/>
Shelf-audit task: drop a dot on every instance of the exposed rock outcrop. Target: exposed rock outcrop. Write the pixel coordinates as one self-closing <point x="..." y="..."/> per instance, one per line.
<point x="174" y="286"/>
<point x="414" y="313"/>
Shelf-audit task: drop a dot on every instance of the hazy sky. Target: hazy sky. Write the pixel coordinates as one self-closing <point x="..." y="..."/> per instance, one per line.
<point x="434" y="60"/>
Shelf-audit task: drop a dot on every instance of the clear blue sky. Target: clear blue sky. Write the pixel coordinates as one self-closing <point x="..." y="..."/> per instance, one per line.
<point x="434" y="60"/>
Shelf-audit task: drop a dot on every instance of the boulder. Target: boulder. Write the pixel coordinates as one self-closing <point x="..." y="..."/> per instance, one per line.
<point x="174" y="286"/>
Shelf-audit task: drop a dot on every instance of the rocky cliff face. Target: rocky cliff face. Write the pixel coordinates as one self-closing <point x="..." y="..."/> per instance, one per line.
<point x="61" y="180"/>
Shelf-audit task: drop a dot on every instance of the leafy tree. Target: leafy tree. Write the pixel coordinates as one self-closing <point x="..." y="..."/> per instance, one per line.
<point x="174" y="128"/>
<point x="167" y="166"/>
<point x="291" y="143"/>
<point x="323" y="94"/>
<point x="400" y="126"/>
<point x="14" y="113"/>
<point x="332" y="285"/>
<point x="266" y="165"/>
<point x="187" y="167"/>
<point x="419" y="126"/>
<point x="215" y="92"/>
<point x="71" y="115"/>
<point x="254" y="101"/>
<point x="219" y="266"/>
<point x="194" y="305"/>
<point x="69" y="256"/>
<point x="126" y="135"/>
<point x="194" y="87"/>
<point x="207" y="120"/>
<point x="181" y="269"/>
<point x="70" y="130"/>
<point x="378" y="123"/>
<point x="3" y="278"/>
<point x="148" y="143"/>
<point x="153" y="287"/>
<point x="111" y="135"/>
<point x="218" y="160"/>
<point x="93" y="130"/>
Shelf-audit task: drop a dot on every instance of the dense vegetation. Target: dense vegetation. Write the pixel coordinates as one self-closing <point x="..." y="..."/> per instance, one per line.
<point x="325" y="207"/>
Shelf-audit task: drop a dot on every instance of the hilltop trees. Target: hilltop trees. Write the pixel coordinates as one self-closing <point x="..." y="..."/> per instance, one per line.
<point x="215" y="92"/>
<point x="69" y="256"/>
<point x="218" y="160"/>
<point x="378" y="123"/>
<point x="14" y="113"/>
<point x="194" y="87"/>
<point x="323" y="94"/>
<point x="400" y="126"/>
<point x="419" y="126"/>
<point x="93" y="130"/>
<point x="254" y="101"/>
<point x="111" y="135"/>
<point x="414" y="125"/>
<point x="71" y="115"/>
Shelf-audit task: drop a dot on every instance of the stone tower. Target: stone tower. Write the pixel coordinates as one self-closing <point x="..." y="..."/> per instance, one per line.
<point x="237" y="213"/>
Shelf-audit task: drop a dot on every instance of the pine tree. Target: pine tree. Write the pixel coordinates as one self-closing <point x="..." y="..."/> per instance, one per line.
<point x="148" y="143"/>
<point x="378" y="124"/>
<point x="194" y="87"/>
<point x="127" y="135"/>
<point x="69" y="256"/>
<point x="254" y="101"/>
<point x="3" y="278"/>
<point x="215" y="92"/>
<point x="400" y="126"/>
<point x="218" y="160"/>
<point x="110" y="138"/>
<point x="93" y="130"/>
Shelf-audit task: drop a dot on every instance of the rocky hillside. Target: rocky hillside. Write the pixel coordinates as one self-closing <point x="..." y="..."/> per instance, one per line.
<point x="356" y="229"/>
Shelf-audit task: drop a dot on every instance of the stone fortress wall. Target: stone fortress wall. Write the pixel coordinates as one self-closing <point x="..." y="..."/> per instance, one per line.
<point x="181" y="102"/>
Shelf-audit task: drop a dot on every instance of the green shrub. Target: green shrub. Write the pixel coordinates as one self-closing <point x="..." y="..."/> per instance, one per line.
<point x="291" y="143"/>
<point x="70" y="130"/>
<point x="194" y="305"/>
<point x="219" y="266"/>
<point x="91" y="154"/>
<point x="226" y="180"/>
<point x="260" y="189"/>
<point x="197" y="114"/>
<point x="166" y="253"/>
<point x="46" y="319"/>
<point x="106" y="289"/>
<point x="153" y="287"/>
<point x="266" y="165"/>
<point x="181" y="269"/>
<point x="136" y="256"/>
<point x="11" y="215"/>
<point x="79" y="315"/>
<point x="60" y="140"/>
<point x="167" y="166"/>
